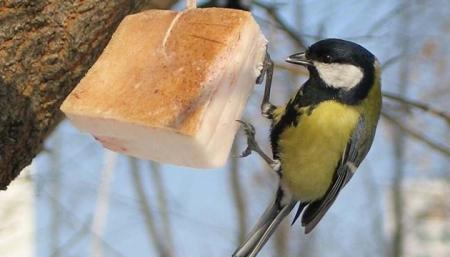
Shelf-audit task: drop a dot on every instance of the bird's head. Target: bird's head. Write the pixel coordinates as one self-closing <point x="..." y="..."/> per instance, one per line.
<point x="339" y="64"/>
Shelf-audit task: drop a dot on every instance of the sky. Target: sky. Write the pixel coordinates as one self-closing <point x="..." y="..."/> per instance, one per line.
<point x="200" y="205"/>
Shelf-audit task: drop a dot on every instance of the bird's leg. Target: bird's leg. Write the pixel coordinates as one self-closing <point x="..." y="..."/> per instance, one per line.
<point x="267" y="71"/>
<point x="252" y="145"/>
<point x="261" y="76"/>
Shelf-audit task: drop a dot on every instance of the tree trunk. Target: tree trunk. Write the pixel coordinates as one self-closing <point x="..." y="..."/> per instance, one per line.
<point x="46" y="46"/>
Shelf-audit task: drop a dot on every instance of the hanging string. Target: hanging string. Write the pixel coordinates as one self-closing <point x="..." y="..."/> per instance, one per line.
<point x="191" y="4"/>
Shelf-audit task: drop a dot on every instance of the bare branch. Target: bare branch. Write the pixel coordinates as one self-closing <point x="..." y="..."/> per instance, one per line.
<point x="145" y="208"/>
<point x="73" y="221"/>
<point x="102" y="205"/>
<point x="391" y="61"/>
<point x="74" y="238"/>
<point x="238" y="196"/>
<point x="55" y="187"/>
<point x="387" y="17"/>
<point x="418" y="105"/>
<point x="416" y="135"/>
<point x="272" y="12"/>
<point x="158" y="184"/>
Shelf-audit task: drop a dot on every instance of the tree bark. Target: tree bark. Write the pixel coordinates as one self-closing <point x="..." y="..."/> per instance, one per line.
<point x="46" y="46"/>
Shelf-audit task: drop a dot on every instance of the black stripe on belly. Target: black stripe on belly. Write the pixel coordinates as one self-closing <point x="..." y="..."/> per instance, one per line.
<point x="289" y="118"/>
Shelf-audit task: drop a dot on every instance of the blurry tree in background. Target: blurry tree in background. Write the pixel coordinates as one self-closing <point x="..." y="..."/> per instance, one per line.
<point x="91" y="203"/>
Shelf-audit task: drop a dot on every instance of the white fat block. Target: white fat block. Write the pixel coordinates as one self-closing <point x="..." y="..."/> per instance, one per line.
<point x="169" y="85"/>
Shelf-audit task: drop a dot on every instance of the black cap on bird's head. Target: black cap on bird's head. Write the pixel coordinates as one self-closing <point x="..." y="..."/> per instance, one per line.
<point x="334" y="50"/>
<point x="339" y="64"/>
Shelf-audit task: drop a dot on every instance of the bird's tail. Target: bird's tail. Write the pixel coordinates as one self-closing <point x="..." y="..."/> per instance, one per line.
<point x="265" y="227"/>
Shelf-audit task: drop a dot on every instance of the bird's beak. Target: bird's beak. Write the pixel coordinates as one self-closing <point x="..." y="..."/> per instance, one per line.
<point x="299" y="59"/>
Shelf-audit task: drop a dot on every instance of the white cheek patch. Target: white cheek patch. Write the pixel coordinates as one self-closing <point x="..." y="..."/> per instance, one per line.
<point x="339" y="75"/>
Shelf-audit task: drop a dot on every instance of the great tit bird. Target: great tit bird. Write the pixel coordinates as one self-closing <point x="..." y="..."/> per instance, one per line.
<point x="320" y="137"/>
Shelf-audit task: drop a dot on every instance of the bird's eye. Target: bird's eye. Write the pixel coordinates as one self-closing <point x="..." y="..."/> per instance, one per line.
<point x="328" y="58"/>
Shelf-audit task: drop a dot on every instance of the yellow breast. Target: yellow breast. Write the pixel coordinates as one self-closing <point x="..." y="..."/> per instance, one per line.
<point x="310" y="151"/>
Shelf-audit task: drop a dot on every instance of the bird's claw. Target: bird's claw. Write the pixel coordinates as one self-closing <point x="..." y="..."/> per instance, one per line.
<point x="245" y="153"/>
<point x="261" y="76"/>
<point x="252" y="146"/>
<point x="267" y="64"/>
<point x="250" y="132"/>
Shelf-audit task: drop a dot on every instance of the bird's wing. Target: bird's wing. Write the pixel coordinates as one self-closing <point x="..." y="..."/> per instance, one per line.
<point x="355" y="151"/>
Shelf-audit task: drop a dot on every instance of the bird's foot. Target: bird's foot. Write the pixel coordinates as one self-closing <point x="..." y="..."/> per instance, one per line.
<point x="267" y="69"/>
<point x="261" y="76"/>
<point x="252" y="146"/>
<point x="250" y="132"/>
